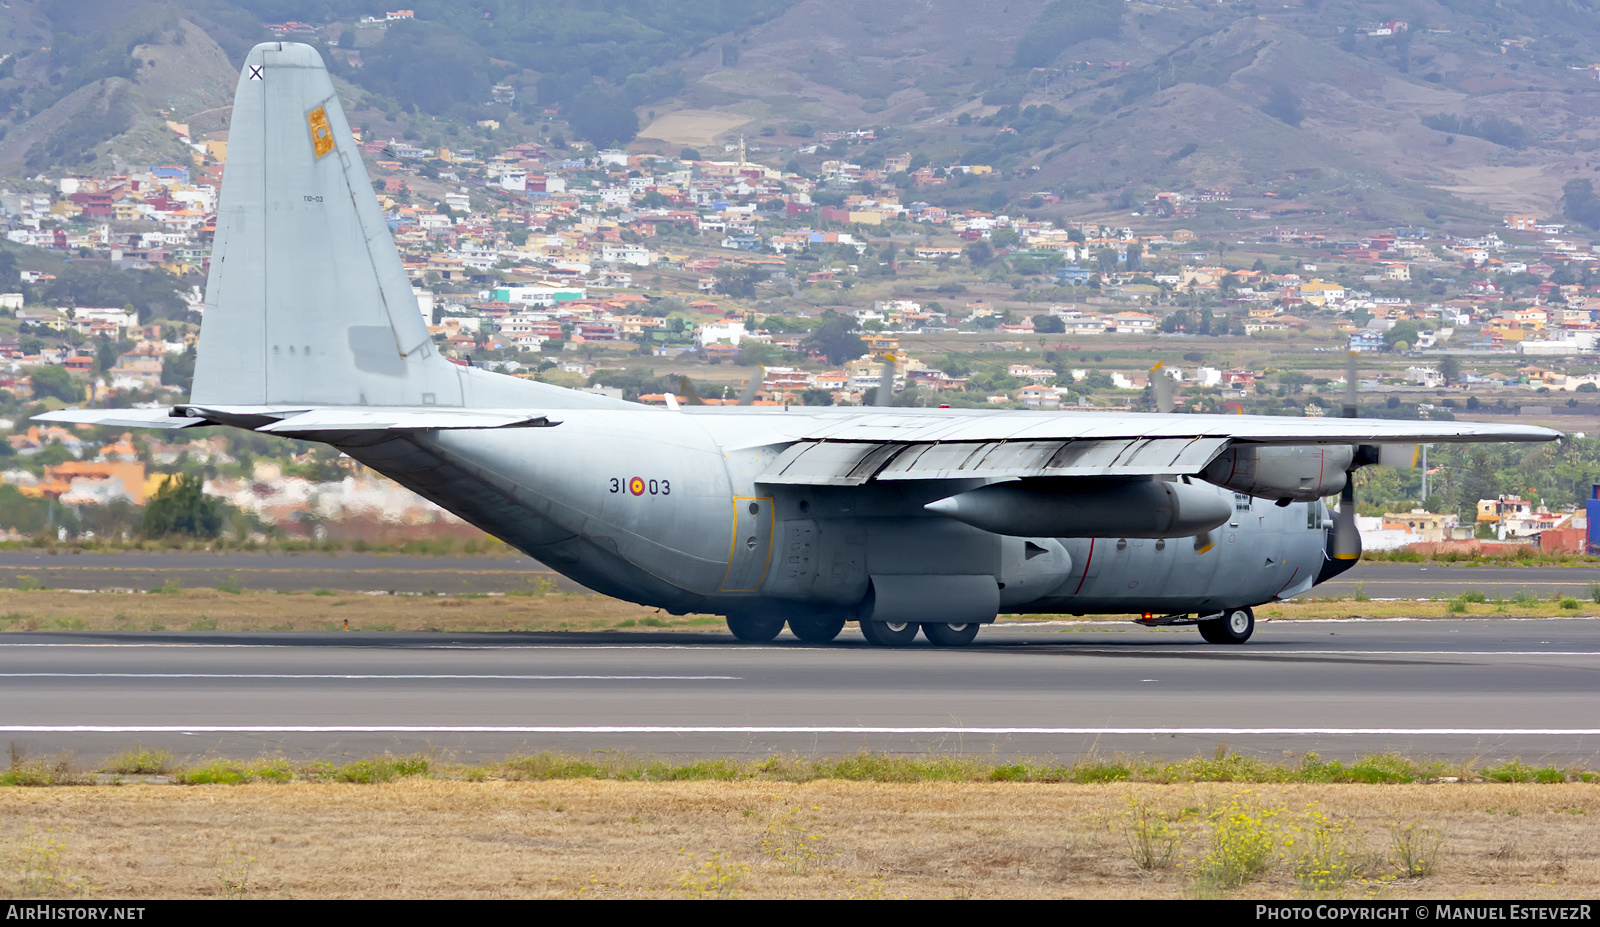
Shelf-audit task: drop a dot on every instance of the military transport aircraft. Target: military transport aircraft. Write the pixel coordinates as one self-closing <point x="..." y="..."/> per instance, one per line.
<point x="900" y="519"/>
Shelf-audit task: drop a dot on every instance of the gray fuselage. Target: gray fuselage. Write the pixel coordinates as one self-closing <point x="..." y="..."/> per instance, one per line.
<point x="668" y="510"/>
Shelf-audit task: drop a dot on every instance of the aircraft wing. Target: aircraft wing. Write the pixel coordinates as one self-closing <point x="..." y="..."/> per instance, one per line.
<point x="851" y="450"/>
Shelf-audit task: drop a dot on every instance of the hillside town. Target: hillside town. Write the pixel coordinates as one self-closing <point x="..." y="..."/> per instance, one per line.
<point x="592" y="269"/>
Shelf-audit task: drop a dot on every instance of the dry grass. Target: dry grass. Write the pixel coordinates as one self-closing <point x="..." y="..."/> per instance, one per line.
<point x="214" y="610"/>
<point x="694" y="127"/>
<point x="432" y="838"/>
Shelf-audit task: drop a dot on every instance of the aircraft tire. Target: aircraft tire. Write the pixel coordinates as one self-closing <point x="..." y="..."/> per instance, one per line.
<point x="819" y="630"/>
<point x="886" y="634"/>
<point x="951" y="635"/>
<point x="754" y="629"/>
<point x="1234" y="627"/>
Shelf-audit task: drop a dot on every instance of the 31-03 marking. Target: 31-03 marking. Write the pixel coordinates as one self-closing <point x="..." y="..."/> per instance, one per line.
<point x="638" y="486"/>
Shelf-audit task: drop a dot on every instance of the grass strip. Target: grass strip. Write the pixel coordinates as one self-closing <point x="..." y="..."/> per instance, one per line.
<point x="865" y="766"/>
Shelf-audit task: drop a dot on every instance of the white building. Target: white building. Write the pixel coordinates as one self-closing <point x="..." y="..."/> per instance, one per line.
<point x="625" y="253"/>
<point x="718" y="332"/>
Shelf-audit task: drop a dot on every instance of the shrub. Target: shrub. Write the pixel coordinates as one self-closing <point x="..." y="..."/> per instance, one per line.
<point x="1325" y="853"/>
<point x="1416" y="849"/>
<point x="1152" y="840"/>
<point x="1243" y="842"/>
<point x="140" y="761"/>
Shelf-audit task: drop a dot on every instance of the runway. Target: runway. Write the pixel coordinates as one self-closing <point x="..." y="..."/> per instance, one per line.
<point x="1481" y="689"/>
<point x="457" y="575"/>
<point x="280" y="572"/>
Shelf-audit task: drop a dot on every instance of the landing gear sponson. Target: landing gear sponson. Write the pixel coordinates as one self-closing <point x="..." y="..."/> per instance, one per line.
<point x="823" y="628"/>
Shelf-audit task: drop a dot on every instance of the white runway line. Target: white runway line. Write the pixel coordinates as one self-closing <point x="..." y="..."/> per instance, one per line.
<point x="345" y="676"/>
<point x="759" y="729"/>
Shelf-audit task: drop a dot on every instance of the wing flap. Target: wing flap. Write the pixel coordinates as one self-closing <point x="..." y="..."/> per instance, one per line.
<point x="853" y="463"/>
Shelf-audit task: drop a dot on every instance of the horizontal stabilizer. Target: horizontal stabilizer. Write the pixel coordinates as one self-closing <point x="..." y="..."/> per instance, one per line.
<point x="294" y="421"/>
<point x="121" y="418"/>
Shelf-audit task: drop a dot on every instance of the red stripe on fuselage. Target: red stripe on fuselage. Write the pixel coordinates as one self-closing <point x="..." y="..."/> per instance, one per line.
<point x="1086" y="561"/>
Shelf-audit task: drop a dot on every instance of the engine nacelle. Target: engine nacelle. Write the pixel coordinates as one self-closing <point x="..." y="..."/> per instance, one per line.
<point x="1299" y="473"/>
<point x="1066" y="508"/>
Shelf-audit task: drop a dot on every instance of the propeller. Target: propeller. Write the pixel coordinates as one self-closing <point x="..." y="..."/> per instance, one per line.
<point x="885" y="394"/>
<point x="1161" y="386"/>
<point x="748" y="395"/>
<point x="690" y="396"/>
<point x="1346" y="541"/>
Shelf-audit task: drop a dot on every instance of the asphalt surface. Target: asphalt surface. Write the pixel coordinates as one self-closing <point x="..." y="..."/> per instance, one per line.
<point x="280" y="572"/>
<point x="1382" y="580"/>
<point x="451" y="575"/>
<point x="1482" y="689"/>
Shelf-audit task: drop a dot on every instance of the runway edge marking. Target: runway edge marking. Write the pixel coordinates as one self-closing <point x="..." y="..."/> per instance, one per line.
<point x="778" y="729"/>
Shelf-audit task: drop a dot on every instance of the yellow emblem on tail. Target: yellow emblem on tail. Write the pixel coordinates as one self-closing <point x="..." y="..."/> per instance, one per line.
<point x="321" y="132"/>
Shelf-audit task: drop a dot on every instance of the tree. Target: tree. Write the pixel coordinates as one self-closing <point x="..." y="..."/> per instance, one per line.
<point x="57" y="382"/>
<point x="979" y="253"/>
<point x="1450" y="369"/>
<point x="836" y="338"/>
<point x="181" y="507"/>
<point x="1293" y="380"/>
<point x="1403" y="331"/>
<point x="1579" y="203"/>
<point x="1046" y="324"/>
<point x="605" y="120"/>
<point x="1282" y="106"/>
<point x="739" y="282"/>
<point x="1064" y="23"/>
<point x="152" y="293"/>
<point x="456" y="73"/>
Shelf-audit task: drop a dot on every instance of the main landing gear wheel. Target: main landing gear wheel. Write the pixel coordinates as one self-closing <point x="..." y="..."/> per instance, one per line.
<point x="816" y="630"/>
<point x="889" y="633"/>
<point x="754" y="628"/>
<point x="950" y="635"/>
<point x="1234" y="627"/>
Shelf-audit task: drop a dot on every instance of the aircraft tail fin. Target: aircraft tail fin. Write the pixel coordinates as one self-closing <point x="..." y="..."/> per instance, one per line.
<point x="307" y="301"/>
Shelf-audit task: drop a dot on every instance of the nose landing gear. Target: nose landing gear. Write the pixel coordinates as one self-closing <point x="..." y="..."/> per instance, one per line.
<point x="1233" y="626"/>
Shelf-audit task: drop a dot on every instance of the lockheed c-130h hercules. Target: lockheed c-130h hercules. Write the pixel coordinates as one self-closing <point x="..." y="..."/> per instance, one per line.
<point x="900" y="519"/>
